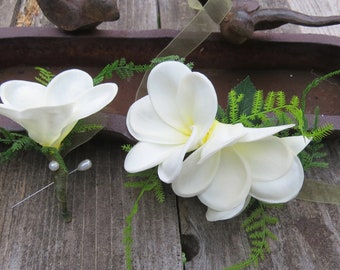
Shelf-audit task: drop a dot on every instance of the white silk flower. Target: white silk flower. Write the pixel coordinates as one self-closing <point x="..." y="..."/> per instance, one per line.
<point x="171" y="120"/>
<point x="49" y="113"/>
<point x="237" y="163"/>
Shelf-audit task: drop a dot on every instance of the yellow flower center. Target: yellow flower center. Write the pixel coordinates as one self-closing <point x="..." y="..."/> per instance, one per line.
<point x="210" y="131"/>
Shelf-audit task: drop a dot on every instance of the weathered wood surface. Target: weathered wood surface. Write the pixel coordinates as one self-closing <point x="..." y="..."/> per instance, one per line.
<point x="32" y="236"/>
<point x="308" y="233"/>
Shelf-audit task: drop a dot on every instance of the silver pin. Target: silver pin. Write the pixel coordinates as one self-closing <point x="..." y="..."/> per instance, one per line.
<point x="54" y="166"/>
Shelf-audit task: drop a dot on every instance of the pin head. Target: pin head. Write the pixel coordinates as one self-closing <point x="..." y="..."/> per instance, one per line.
<point x="84" y="165"/>
<point x="53" y="166"/>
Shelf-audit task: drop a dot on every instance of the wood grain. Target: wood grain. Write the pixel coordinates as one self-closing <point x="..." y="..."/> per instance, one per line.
<point x="308" y="233"/>
<point x="8" y="11"/>
<point x="33" y="236"/>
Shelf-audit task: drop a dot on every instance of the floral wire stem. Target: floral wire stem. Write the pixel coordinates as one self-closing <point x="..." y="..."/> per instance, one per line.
<point x="60" y="181"/>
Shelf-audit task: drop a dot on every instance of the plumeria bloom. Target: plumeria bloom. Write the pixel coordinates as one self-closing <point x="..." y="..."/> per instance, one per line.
<point x="171" y="120"/>
<point x="237" y="163"/>
<point x="49" y="113"/>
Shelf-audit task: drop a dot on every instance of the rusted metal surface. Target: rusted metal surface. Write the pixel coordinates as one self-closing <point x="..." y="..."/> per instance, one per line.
<point x="300" y="58"/>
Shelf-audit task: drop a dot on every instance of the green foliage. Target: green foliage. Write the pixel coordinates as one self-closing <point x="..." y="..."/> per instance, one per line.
<point x="44" y="76"/>
<point x="237" y="103"/>
<point x="257" y="110"/>
<point x="159" y="60"/>
<point x="314" y="84"/>
<point x="151" y="183"/>
<point x="126" y="147"/>
<point x="121" y="68"/>
<point x="126" y="70"/>
<point x="16" y="142"/>
<point x="312" y="156"/>
<point x="257" y="226"/>
<point x="250" y="107"/>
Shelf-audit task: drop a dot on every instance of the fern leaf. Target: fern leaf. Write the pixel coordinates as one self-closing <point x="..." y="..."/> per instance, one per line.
<point x="233" y="106"/>
<point x="269" y="101"/>
<point x="126" y="70"/>
<point x="314" y="84"/>
<point x="256" y="225"/>
<point x="152" y="183"/>
<point x="44" y="76"/>
<point x="321" y="132"/>
<point x="257" y="102"/>
<point x="17" y="142"/>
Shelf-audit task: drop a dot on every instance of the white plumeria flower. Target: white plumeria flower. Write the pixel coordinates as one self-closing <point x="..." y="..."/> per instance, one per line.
<point x="49" y="113"/>
<point x="237" y="163"/>
<point x="171" y="120"/>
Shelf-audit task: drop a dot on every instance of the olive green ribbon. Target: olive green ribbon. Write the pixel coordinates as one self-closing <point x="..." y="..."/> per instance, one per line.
<point x="321" y="192"/>
<point x="200" y="27"/>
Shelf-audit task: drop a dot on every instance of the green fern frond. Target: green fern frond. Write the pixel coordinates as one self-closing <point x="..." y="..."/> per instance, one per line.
<point x="44" y="76"/>
<point x="314" y="84"/>
<point x="159" y="192"/>
<point x="234" y="100"/>
<point x="256" y="225"/>
<point x="320" y="132"/>
<point x="121" y="68"/>
<point x="312" y="156"/>
<point x="280" y="99"/>
<point x="269" y="101"/>
<point x="151" y="183"/>
<point x="16" y="142"/>
<point x="126" y="70"/>
<point x="126" y="147"/>
<point x="257" y="102"/>
<point x="177" y="58"/>
<point x="81" y="127"/>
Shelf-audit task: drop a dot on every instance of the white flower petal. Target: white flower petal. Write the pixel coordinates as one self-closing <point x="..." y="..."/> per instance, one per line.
<point x="222" y="136"/>
<point x="170" y="168"/>
<point x="94" y="100"/>
<point x="197" y="101"/>
<point x="280" y="190"/>
<point x="296" y="143"/>
<point x="49" y="113"/>
<point x="64" y="132"/>
<point x="45" y="125"/>
<point x="163" y="85"/>
<point x="10" y="113"/>
<point x="50" y="124"/>
<point x="255" y="134"/>
<point x="267" y="159"/>
<point x="231" y="183"/>
<point x="194" y="178"/>
<point x="67" y="86"/>
<point x="213" y="215"/>
<point x="144" y="156"/>
<point x="145" y="125"/>
<point x="22" y="94"/>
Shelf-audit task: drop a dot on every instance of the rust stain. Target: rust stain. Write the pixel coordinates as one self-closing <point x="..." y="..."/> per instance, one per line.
<point x="26" y="16"/>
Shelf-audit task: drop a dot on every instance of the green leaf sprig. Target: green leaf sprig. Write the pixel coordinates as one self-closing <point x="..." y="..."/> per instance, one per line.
<point x="150" y="182"/>
<point x="126" y="70"/>
<point x="257" y="226"/>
